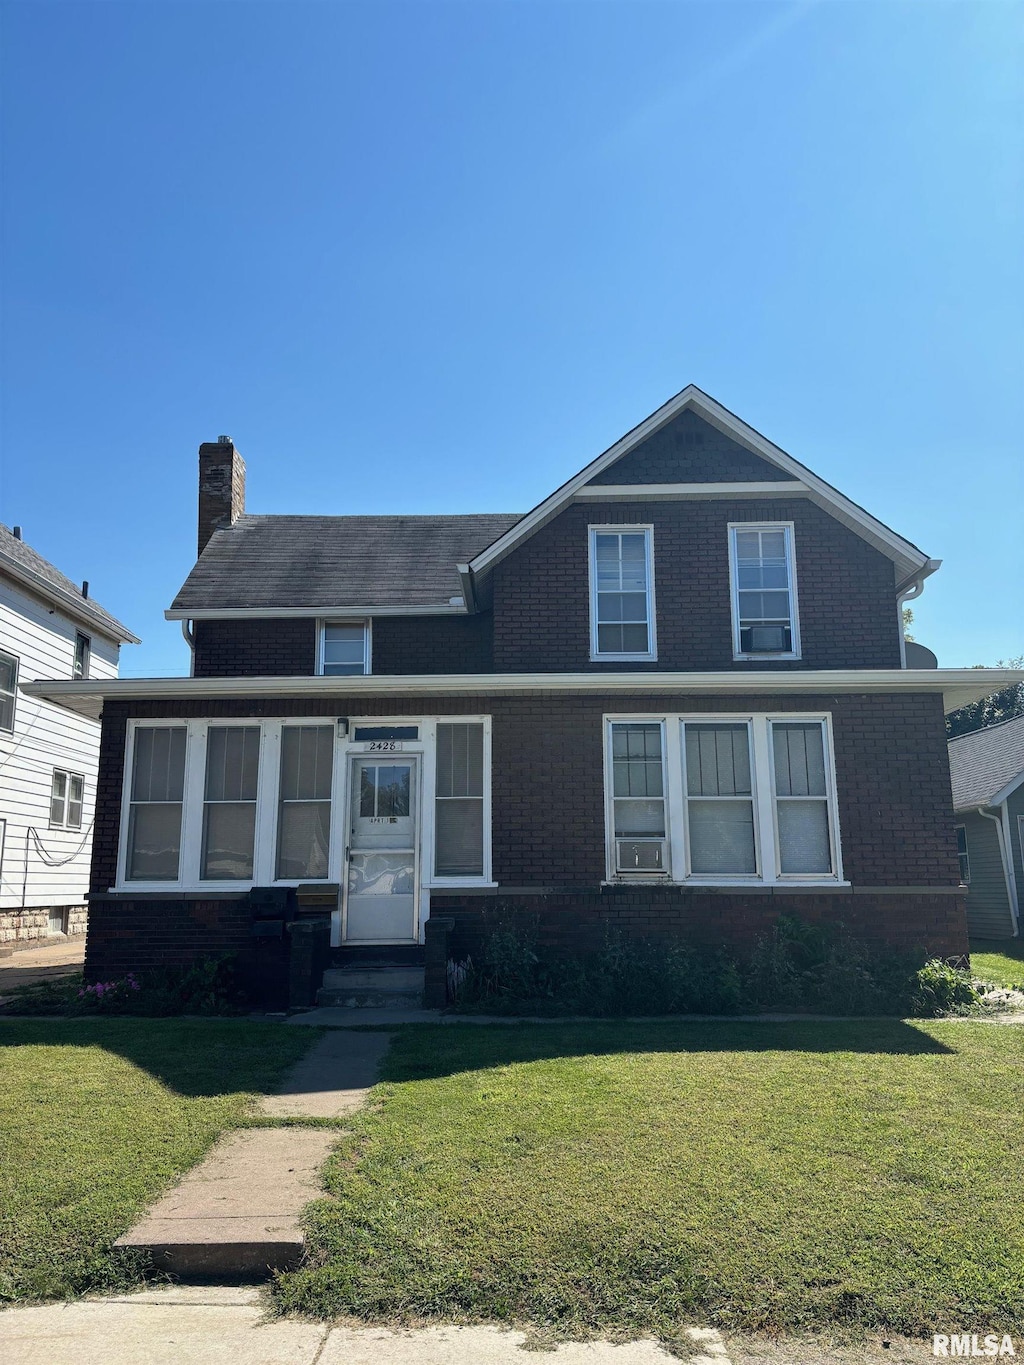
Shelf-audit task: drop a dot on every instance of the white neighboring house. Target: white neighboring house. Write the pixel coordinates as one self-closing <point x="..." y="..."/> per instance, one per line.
<point x="49" y="628"/>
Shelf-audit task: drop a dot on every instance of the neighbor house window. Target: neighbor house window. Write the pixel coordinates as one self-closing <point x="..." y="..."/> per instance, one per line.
<point x="304" y="806"/>
<point x="66" y="798"/>
<point x="83" y="648"/>
<point x="157" y="794"/>
<point x="802" y="817"/>
<point x="722" y="799"/>
<point x="459" y="800"/>
<point x="638" y="798"/>
<point x="719" y="800"/>
<point x="621" y="593"/>
<point x="963" y="858"/>
<point x="764" y="617"/>
<point x="344" y="648"/>
<point x="8" y="690"/>
<point x="229" y="805"/>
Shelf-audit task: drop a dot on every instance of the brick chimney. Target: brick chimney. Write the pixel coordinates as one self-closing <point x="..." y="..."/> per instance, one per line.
<point x="221" y="487"/>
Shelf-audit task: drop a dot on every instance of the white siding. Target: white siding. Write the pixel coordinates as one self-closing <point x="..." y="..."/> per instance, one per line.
<point x="45" y="737"/>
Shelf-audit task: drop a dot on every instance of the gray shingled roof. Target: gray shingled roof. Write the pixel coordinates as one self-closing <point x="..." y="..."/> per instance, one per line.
<point x="982" y="763"/>
<point x="30" y="569"/>
<point x="282" y="561"/>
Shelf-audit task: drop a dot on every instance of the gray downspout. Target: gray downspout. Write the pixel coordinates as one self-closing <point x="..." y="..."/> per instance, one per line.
<point x="190" y="640"/>
<point x="1008" y="877"/>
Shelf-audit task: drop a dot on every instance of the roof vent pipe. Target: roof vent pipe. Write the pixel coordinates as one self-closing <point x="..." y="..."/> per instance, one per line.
<point x="85" y="587"/>
<point x="17" y="533"/>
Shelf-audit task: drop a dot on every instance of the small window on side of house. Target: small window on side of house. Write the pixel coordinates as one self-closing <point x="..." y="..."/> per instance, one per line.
<point x="8" y="690"/>
<point x="344" y="649"/>
<point x="962" y="856"/>
<point x="83" y="650"/>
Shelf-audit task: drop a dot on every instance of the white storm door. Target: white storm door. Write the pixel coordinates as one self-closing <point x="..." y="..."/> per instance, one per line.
<point x="381" y="867"/>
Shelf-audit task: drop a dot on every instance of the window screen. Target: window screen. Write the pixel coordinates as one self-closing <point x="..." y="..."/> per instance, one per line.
<point x="304" y="814"/>
<point x="154" y="822"/>
<point x="459" y="801"/>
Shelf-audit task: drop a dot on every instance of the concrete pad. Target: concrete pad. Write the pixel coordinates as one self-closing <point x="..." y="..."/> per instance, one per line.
<point x="479" y="1346"/>
<point x="205" y="1295"/>
<point x="332" y="1079"/>
<point x="337" y="1016"/>
<point x="117" y="1333"/>
<point x="237" y="1212"/>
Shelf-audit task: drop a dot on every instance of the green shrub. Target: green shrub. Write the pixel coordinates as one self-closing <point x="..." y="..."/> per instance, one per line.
<point x="939" y="988"/>
<point x="210" y="985"/>
<point x="795" y="966"/>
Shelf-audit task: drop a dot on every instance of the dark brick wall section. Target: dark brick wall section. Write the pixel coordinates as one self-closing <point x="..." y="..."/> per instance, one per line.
<point x="935" y="925"/>
<point x="690" y="450"/>
<point x="892" y="778"/>
<point x="130" y="935"/>
<point x="282" y="647"/>
<point x="845" y="590"/>
<point x="433" y="644"/>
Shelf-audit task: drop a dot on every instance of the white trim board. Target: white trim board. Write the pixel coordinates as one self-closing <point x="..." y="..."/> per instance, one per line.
<point x="958" y="686"/>
<point x="910" y="561"/>
<point x="327" y="611"/>
<point x="684" y="492"/>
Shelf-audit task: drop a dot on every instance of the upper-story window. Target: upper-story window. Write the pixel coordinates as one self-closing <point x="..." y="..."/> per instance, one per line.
<point x="67" y="793"/>
<point x="621" y="593"/>
<point x="762" y="572"/>
<point x="8" y="690"/>
<point x="83" y="648"/>
<point x="344" y="648"/>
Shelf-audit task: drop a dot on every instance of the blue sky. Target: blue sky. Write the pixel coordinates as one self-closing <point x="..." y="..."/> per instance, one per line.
<point x="437" y="256"/>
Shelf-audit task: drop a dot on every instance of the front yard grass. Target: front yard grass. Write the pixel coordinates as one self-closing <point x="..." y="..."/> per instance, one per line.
<point x="1000" y="961"/>
<point x="625" y="1179"/>
<point x="97" y="1117"/>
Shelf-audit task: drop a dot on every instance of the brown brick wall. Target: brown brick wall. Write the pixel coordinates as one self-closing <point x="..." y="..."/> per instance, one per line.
<point x="935" y="925"/>
<point x="275" y="648"/>
<point x="690" y="450"/>
<point x="433" y="644"/>
<point x="892" y="780"/>
<point x="845" y="589"/>
<point x="132" y="934"/>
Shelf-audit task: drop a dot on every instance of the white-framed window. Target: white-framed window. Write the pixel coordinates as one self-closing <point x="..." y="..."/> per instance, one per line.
<point x="459" y="799"/>
<point x="8" y="690"/>
<point x="963" y="857"/>
<point x="83" y="650"/>
<point x="638" y="824"/>
<point x="722" y="799"/>
<point x="343" y="648"/>
<point x="220" y="804"/>
<point x="622" y="618"/>
<point x="762" y="578"/>
<point x="67" y="794"/>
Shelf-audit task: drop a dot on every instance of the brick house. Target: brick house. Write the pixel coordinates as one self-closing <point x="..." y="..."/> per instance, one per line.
<point x="672" y="699"/>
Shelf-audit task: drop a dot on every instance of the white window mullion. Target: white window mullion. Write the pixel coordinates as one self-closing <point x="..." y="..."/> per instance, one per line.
<point x="266" y="804"/>
<point x="764" y="821"/>
<point x="339" y="808"/>
<point x="676" y="801"/>
<point x="192" y="804"/>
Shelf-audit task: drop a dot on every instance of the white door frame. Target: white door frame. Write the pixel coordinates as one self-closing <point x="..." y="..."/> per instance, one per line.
<point x="414" y="757"/>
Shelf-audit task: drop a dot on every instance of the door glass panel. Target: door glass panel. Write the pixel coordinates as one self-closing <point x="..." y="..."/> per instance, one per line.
<point x="381" y="874"/>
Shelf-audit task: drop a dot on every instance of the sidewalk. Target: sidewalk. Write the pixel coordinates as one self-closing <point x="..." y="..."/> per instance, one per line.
<point x="195" y="1325"/>
<point x="33" y="966"/>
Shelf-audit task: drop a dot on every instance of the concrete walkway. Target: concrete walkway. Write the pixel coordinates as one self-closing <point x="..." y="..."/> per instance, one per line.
<point x="238" y="1212"/>
<point x="33" y="966"/>
<point x="193" y="1325"/>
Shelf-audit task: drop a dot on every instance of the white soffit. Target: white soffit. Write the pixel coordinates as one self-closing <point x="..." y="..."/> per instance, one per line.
<point x="958" y="686"/>
<point x="910" y="562"/>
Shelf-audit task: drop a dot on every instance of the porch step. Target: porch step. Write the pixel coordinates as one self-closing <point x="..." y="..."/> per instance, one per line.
<point x="378" y="955"/>
<point x="365" y="987"/>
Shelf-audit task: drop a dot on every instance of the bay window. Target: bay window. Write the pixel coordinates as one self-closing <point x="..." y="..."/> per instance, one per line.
<point x="727" y="800"/>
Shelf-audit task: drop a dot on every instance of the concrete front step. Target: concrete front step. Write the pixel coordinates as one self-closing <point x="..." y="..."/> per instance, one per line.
<point x="237" y="1212"/>
<point x="372" y="987"/>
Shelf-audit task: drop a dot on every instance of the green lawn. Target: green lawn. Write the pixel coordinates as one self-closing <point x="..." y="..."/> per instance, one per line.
<point x="97" y="1117"/>
<point x="999" y="960"/>
<point x="630" y="1179"/>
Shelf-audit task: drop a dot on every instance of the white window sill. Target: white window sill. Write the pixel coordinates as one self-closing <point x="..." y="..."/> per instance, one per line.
<point x="623" y="658"/>
<point x="455" y="883"/>
<point x="749" y="884"/>
<point x="754" y="658"/>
